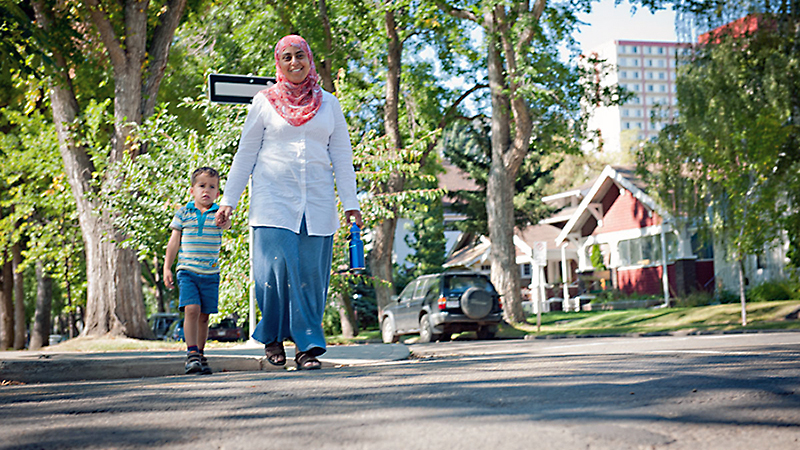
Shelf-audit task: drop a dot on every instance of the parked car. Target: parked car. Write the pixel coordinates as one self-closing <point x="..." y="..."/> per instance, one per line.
<point x="160" y="323"/>
<point x="225" y="330"/>
<point x="436" y="306"/>
<point x="175" y="332"/>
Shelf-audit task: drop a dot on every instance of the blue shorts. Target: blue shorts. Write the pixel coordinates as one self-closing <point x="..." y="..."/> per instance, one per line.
<point x="198" y="289"/>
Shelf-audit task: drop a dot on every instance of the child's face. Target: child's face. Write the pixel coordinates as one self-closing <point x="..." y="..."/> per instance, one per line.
<point x="205" y="190"/>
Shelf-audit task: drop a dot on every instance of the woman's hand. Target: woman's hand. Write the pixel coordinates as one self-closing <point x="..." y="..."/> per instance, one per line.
<point x="356" y="214"/>
<point x="223" y="217"/>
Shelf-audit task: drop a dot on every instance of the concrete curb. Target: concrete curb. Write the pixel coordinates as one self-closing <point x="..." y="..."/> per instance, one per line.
<point x="53" y="367"/>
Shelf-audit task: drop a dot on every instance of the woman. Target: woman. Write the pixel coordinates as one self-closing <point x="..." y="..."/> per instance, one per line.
<point x="293" y="142"/>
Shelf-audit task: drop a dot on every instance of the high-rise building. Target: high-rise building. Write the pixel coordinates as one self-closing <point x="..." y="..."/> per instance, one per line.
<point x="647" y="70"/>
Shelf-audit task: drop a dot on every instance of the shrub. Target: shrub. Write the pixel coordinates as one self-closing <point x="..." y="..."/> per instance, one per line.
<point x="695" y="298"/>
<point x="773" y="290"/>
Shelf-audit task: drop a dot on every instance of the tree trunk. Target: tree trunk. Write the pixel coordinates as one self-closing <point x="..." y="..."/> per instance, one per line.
<point x="742" y="297"/>
<point x="324" y="67"/>
<point x="40" y="336"/>
<point x="383" y="241"/>
<point x="6" y="303"/>
<point x="347" y="316"/>
<point x="114" y="292"/>
<point x="20" y="325"/>
<point x="500" y="192"/>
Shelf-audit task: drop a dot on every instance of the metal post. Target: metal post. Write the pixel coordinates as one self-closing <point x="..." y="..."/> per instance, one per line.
<point x="252" y="324"/>
<point x="664" y="275"/>
<point x="564" y="271"/>
<point x="539" y="300"/>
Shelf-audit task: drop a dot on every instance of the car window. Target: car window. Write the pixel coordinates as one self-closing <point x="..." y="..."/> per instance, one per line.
<point x="460" y="283"/>
<point x="433" y="289"/>
<point x="408" y="291"/>
<point x="422" y="287"/>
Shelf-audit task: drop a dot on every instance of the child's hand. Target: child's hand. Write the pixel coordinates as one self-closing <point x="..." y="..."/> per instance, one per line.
<point x="168" y="282"/>
<point x="223" y="217"/>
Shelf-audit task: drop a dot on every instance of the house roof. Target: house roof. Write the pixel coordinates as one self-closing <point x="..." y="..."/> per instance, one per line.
<point x="621" y="176"/>
<point x="470" y="254"/>
<point x="455" y="179"/>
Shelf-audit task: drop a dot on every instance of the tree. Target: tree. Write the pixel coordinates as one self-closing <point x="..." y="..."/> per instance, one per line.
<point x="733" y="147"/>
<point x="534" y="101"/>
<point x="133" y="38"/>
<point x="468" y="146"/>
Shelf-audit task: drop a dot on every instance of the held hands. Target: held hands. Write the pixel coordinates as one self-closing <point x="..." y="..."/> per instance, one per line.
<point x="356" y="215"/>
<point x="223" y="217"/>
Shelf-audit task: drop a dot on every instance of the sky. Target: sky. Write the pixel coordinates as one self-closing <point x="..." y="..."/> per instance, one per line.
<point x="607" y="23"/>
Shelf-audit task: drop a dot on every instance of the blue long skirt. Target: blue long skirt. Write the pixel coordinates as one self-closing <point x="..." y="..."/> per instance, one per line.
<point x="292" y="274"/>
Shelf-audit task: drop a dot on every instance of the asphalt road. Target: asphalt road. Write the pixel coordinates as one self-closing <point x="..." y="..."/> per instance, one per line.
<point x="699" y="392"/>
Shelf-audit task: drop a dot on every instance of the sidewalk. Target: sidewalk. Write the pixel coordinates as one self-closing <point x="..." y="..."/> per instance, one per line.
<point x="49" y="367"/>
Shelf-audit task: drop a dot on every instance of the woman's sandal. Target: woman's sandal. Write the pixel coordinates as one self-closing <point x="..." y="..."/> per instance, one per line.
<point x="306" y="361"/>
<point x="276" y="355"/>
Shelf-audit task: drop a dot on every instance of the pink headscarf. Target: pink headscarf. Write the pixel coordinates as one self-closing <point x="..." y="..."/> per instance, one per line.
<point x="297" y="103"/>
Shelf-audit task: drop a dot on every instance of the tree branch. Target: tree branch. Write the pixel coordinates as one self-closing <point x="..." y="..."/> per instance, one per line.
<point x="107" y="34"/>
<point x="456" y="12"/>
<point x="526" y="36"/>
<point x="159" y="52"/>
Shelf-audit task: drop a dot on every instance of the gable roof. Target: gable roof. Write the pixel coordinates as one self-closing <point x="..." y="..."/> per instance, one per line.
<point x="622" y="176"/>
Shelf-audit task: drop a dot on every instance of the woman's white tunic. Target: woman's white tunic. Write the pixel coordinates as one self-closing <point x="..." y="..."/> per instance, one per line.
<point x="293" y="168"/>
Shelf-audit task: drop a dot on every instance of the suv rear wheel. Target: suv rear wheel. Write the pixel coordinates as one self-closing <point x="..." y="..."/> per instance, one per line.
<point x="426" y="333"/>
<point x="387" y="331"/>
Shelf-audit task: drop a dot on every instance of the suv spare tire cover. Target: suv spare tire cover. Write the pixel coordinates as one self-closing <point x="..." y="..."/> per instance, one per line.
<point x="476" y="303"/>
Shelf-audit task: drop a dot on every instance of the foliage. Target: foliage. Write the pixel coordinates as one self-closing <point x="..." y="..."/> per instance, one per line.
<point x="597" y="258"/>
<point x="725" y="159"/>
<point x="39" y="209"/>
<point x="157" y="183"/>
<point x="468" y="146"/>
<point x="782" y="289"/>
<point x="694" y="299"/>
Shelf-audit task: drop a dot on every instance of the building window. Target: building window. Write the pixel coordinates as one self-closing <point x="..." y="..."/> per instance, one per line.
<point x="623" y="74"/>
<point x="649" y="75"/>
<point x="645" y="251"/>
<point x="486" y="268"/>
<point x="660" y="50"/>
<point x="627" y="125"/>
<point x="634" y="49"/>
<point x="635" y="61"/>
<point x="662" y="75"/>
<point x="626" y="112"/>
<point x="525" y="270"/>
<point x="636" y="75"/>
<point x="662" y="63"/>
<point x="650" y="88"/>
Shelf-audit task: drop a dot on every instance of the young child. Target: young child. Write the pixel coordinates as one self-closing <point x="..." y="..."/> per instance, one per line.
<point x="196" y="240"/>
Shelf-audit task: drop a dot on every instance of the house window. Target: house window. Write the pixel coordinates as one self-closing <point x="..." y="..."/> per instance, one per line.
<point x="486" y="268"/>
<point x="525" y="270"/>
<point x="646" y="250"/>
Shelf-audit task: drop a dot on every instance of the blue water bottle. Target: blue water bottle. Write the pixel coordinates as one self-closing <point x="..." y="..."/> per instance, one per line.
<point x="356" y="248"/>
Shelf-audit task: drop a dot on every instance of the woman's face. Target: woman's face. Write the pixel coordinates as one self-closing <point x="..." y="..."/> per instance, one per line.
<point x="294" y="64"/>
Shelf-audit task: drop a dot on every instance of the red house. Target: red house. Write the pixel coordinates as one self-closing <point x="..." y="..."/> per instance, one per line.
<point x="644" y="249"/>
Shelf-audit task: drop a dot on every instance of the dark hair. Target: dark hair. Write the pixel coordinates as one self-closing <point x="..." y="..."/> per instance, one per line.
<point x="206" y="170"/>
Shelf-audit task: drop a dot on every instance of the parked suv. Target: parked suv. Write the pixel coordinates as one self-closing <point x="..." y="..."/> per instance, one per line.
<point x="436" y="306"/>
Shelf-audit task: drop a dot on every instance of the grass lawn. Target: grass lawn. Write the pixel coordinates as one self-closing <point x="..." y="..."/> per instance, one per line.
<point x="762" y="315"/>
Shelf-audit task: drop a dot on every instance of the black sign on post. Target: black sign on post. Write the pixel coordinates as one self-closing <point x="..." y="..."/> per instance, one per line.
<point x="236" y="88"/>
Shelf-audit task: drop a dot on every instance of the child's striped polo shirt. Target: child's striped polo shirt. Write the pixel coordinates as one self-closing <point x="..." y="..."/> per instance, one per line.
<point x="201" y="239"/>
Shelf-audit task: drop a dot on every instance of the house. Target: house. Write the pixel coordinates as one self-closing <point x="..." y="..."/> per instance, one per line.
<point x="644" y="249"/>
